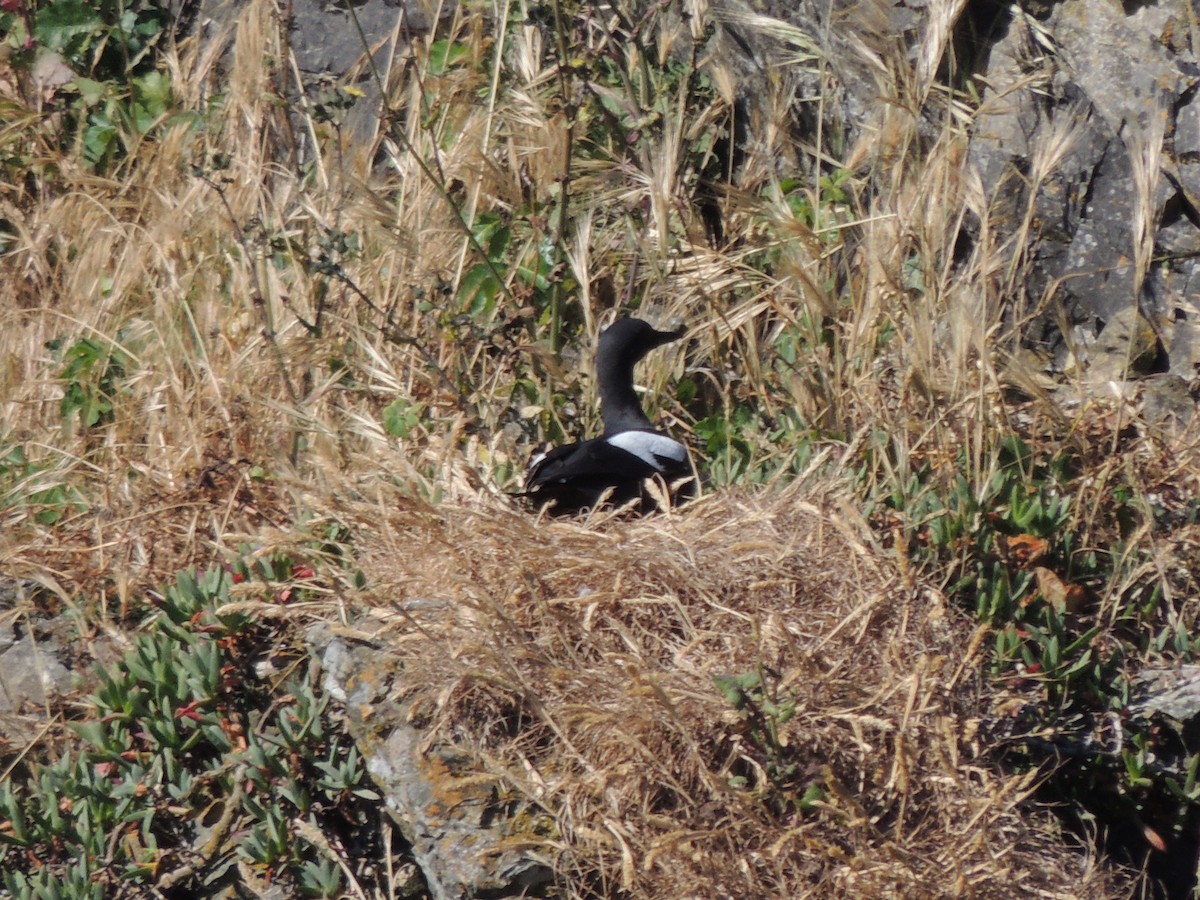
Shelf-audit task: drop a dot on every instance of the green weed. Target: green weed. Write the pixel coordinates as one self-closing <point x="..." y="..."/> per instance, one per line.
<point x="118" y="95"/>
<point x="43" y="491"/>
<point x="764" y="709"/>
<point x="91" y="372"/>
<point x="1009" y="537"/>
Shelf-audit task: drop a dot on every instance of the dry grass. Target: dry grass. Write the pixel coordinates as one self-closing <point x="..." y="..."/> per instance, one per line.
<point x="203" y="275"/>
<point x="576" y="664"/>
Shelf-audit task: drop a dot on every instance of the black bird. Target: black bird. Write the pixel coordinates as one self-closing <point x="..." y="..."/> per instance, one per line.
<point x="613" y="467"/>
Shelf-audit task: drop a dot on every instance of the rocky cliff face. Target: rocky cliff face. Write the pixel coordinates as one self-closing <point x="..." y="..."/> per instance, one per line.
<point x="1085" y="139"/>
<point x="1090" y="115"/>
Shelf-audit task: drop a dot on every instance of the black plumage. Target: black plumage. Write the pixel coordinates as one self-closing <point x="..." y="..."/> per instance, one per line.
<point x="613" y="468"/>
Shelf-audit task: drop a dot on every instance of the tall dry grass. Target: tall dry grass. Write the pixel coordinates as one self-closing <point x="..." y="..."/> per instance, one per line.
<point x="202" y="271"/>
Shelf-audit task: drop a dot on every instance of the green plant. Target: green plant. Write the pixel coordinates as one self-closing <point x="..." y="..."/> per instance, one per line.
<point x="46" y="493"/>
<point x="966" y="520"/>
<point x="116" y="116"/>
<point x="727" y="450"/>
<point x="104" y="39"/>
<point x="1004" y="538"/>
<point x="118" y="94"/>
<point x="1070" y="618"/>
<point x="823" y="210"/>
<point x="184" y="726"/>
<point x="764" y="710"/>
<point x="400" y="417"/>
<point x="91" y="371"/>
<point x="744" y="445"/>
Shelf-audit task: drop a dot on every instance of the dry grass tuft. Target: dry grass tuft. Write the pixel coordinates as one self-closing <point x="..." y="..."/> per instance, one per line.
<point x="577" y="664"/>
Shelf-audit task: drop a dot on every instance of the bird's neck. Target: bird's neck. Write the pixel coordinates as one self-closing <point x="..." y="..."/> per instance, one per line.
<point x="619" y="405"/>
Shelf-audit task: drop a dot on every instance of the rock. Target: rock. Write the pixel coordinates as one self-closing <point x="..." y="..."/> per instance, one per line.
<point x="1127" y="346"/>
<point x="1167" y="401"/>
<point x="327" y="43"/>
<point x="1182" y="335"/>
<point x="837" y="95"/>
<point x="1118" y="60"/>
<point x="1172" y="691"/>
<point x="466" y="838"/>
<point x="30" y="672"/>
<point x="331" y="50"/>
<point x="1077" y="97"/>
<point x="37" y="646"/>
<point x="1072" y="97"/>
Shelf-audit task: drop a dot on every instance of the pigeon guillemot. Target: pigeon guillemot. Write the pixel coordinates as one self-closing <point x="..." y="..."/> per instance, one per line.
<point x="613" y="468"/>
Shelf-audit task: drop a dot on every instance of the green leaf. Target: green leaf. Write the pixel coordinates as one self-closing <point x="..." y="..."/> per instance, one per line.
<point x="153" y="92"/>
<point x="685" y="391"/>
<point x="66" y="22"/>
<point x="813" y="794"/>
<point x="444" y="55"/>
<point x="91" y="92"/>
<point x="478" y="290"/>
<point x="731" y="689"/>
<point x="98" y="140"/>
<point x="400" y="417"/>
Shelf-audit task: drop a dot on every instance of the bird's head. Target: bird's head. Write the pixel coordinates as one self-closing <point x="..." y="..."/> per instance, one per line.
<point x="626" y="341"/>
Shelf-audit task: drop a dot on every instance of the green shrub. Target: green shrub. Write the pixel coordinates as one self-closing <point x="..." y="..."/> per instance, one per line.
<point x="193" y="759"/>
<point x="118" y="94"/>
<point x="1073" y="612"/>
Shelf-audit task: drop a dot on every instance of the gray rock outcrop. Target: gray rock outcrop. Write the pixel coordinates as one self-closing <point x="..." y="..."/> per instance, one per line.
<point x="467" y="841"/>
<point x="1090" y="115"/>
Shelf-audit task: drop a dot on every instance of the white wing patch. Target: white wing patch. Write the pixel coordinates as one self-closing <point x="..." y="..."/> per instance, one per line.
<point x="649" y="447"/>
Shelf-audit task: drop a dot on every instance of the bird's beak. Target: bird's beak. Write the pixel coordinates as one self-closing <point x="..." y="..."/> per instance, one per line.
<point x="674" y="334"/>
